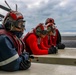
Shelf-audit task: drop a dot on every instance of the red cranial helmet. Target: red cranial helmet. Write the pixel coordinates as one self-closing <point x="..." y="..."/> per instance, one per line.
<point x="15" y="15"/>
<point x="49" y="20"/>
<point x="41" y="29"/>
<point x="12" y="18"/>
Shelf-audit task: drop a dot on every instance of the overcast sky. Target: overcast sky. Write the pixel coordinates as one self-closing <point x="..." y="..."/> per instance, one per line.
<point x="37" y="11"/>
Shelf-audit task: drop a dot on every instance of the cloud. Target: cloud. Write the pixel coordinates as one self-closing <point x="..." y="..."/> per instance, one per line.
<point x="63" y="12"/>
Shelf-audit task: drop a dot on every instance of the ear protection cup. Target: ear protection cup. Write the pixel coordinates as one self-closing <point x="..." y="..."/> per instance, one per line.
<point x="8" y="24"/>
<point x="38" y="30"/>
<point x="41" y="29"/>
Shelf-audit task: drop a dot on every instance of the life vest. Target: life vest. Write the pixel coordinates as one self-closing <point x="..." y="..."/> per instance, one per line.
<point x="54" y="38"/>
<point x="18" y="43"/>
<point x="27" y="47"/>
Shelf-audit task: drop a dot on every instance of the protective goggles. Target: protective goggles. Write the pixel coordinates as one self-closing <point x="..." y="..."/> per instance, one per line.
<point x="51" y="28"/>
<point x="20" y="24"/>
<point x="44" y="32"/>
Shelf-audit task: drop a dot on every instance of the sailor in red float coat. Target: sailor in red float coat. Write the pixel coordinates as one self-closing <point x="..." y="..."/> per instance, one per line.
<point x="32" y="40"/>
<point x="47" y="40"/>
<point x="56" y="38"/>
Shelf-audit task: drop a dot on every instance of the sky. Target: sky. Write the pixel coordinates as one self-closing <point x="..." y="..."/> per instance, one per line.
<point x="37" y="11"/>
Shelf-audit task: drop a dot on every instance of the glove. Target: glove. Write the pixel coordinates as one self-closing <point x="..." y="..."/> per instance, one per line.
<point x="53" y="50"/>
<point x="60" y="46"/>
<point x="25" y="56"/>
<point x="25" y="63"/>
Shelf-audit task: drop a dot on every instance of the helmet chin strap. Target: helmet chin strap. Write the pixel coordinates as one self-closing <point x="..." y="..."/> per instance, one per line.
<point x="18" y="27"/>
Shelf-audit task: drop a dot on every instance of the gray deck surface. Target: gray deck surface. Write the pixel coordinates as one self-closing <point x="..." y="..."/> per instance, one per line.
<point x="51" y="69"/>
<point x="65" y="56"/>
<point x="44" y="69"/>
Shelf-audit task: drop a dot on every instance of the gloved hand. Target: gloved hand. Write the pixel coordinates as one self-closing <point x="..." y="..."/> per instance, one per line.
<point x="53" y="50"/>
<point x="25" y="63"/>
<point x="60" y="46"/>
<point x="25" y="56"/>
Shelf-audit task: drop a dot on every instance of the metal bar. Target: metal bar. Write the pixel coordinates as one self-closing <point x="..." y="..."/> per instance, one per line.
<point x="5" y="8"/>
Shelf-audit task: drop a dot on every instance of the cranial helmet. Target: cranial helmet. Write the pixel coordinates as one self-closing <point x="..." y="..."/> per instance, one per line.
<point x="40" y="29"/>
<point x="12" y="19"/>
<point x="49" y="20"/>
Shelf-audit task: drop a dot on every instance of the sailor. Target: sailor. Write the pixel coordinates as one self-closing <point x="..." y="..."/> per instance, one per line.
<point x="32" y="40"/>
<point x="12" y="49"/>
<point x="56" y="38"/>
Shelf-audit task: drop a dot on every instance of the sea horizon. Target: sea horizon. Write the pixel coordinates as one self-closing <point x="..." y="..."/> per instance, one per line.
<point x="62" y="33"/>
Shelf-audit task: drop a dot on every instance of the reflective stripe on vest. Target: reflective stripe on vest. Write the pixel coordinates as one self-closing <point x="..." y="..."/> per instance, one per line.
<point x="9" y="60"/>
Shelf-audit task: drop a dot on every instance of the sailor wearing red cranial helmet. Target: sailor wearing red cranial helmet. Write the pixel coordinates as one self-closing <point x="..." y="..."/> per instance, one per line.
<point x="11" y="46"/>
<point x="56" y="38"/>
<point x="47" y="39"/>
<point x="32" y="40"/>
